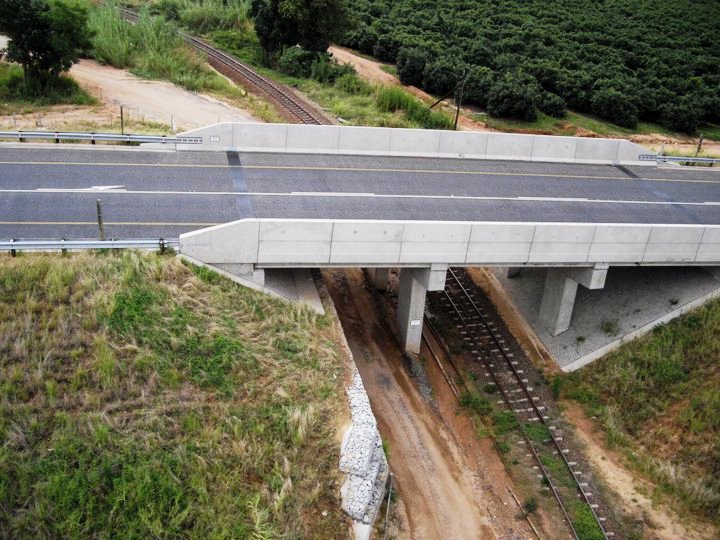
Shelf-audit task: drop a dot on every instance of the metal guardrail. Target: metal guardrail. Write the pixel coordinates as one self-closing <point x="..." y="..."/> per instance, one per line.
<point x="162" y="244"/>
<point x="677" y="159"/>
<point x="93" y="137"/>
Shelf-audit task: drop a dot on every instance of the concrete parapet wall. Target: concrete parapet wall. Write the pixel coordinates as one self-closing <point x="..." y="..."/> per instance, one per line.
<point x="293" y="138"/>
<point x="318" y="243"/>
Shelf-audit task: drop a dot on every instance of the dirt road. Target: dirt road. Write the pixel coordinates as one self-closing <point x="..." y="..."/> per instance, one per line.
<point x="155" y="100"/>
<point x="443" y="494"/>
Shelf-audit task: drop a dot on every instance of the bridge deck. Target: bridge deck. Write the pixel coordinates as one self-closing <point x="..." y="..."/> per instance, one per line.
<point x="51" y="192"/>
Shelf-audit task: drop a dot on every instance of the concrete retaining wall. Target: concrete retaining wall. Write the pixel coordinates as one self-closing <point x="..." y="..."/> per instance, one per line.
<point x="285" y="242"/>
<point x="293" y="138"/>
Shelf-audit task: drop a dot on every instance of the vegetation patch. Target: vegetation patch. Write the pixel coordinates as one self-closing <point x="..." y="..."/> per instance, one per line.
<point x="16" y="96"/>
<point x="144" y="398"/>
<point x="658" y="399"/>
<point x="622" y="61"/>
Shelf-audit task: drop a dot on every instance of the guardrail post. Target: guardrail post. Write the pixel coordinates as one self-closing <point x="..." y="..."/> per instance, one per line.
<point x="163" y="246"/>
<point x="13" y="253"/>
<point x="101" y="226"/>
<point x="92" y="139"/>
<point x="63" y="251"/>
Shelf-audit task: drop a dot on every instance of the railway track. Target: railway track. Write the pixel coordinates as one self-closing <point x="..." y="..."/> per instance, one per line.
<point x="289" y="104"/>
<point x="502" y="369"/>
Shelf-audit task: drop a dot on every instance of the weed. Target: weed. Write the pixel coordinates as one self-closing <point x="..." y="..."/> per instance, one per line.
<point x="504" y="421"/>
<point x="475" y="403"/>
<point x="610" y="327"/>
<point x="530" y="505"/>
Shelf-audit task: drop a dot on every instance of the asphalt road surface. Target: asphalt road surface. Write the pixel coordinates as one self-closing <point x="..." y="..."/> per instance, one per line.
<point x="51" y="191"/>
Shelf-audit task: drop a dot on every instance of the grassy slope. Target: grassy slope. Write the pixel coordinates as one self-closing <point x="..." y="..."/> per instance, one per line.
<point x="658" y="400"/>
<point x="141" y="398"/>
<point x="13" y="98"/>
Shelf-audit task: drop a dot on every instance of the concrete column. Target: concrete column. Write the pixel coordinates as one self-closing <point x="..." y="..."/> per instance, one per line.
<point x="558" y="301"/>
<point x="512" y="271"/>
<point x="380" y="277"/>
<point x="411" y="308"/>
<point x="561" y="286"/>
<point x="414" y="284"/>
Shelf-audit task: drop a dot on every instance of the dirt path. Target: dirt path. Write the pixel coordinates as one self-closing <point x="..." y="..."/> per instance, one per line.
<point x="444" y="495"/>
<point x="158" y="102"/>
<point x="635" y="494"/>
<point x="155" y="100"/>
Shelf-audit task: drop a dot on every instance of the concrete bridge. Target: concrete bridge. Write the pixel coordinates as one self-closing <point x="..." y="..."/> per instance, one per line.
<point x="261" y="197"/>
<point x="634" y="215"/>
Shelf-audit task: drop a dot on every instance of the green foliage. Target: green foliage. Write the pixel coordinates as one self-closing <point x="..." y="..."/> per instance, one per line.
<point x="150" y="48"/>
<point x="393" y="98"/>
<point x="46" y="37"/>
<point x="584" y="522"/>
<point x="411" y="65"/>
<point x="320" y="66"/>
<point x="311" y="24"/>
<point x="530" y="505"/>
<point x="152" y="415"/>
<point x="504" y="421"/>
<point x="615" y="106"/>
<point x="515" y="95"/>
<point x="477" y="85"/>
<point x="649" y="59"/>
<point x="667" y="378"/>
<point x="475" y="403"/>
<point x="552" y="105"/>
<point x="62" y="90"/>
<point x="441" y="76"/>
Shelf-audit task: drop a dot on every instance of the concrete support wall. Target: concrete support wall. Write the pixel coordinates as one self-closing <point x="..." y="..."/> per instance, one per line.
<point x="558" y="298"/>
<point x="294" y="138"/>
<point x="317" y="243"/>
<point x="414" y="284"/>
<point x="380" y="278"/>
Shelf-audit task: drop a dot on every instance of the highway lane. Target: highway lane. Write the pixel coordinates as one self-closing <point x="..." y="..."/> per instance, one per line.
<point x="51" y="191"/>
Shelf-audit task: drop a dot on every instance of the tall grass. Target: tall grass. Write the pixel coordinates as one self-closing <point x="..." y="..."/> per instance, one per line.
<point x="206" y="15"/>
<point x="394" y="98"/>
<point x="141" y="398"/>
<point x="659" y="398"/>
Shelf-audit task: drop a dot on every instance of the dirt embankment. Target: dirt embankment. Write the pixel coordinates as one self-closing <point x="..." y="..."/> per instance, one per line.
<point x="450" y="487"/>
<point x="159" y="102"/>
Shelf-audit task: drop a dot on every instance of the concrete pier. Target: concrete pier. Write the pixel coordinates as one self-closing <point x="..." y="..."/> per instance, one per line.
<point x="560" y="290"/>
<point x="414" y="284"/>
<point x="380" y="277"/>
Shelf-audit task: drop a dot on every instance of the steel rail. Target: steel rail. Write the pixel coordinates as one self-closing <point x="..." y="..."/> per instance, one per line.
<point x="677" y="159"/>
<point x="508" y="402"/>
<point x="526" y="392"/>
<point x="284" y="97"/>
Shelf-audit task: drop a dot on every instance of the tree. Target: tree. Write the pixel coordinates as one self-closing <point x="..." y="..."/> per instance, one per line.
<point x="46" y="37"/>
<point x="411" y="65"/>
<point x="515" y="95"/>
<point x="615" y="106"/>
<point x="683" y="115"/>
<point x="478" y="84"/>
<point x="442" y="75"/>
<point x="312" y="24"/>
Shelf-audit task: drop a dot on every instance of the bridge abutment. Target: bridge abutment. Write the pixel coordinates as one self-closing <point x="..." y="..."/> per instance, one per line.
<point x="414" y="285"/>
<point x="561" y="286"/>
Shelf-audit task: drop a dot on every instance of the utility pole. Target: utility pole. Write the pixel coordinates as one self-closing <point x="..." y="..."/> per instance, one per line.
<point x="699" y="146"/>
<point x="459" y="98"/>
<point x="122" y="119"/>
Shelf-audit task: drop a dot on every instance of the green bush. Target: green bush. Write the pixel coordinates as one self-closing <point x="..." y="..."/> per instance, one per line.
<point x="552" y="105"/>
<point x="477" y="85"/>
<point x="442" y="75"/>
<point x="475" y="403"/>
<point x="411" y="65"/>
<point x="682" y="116"/>
<point x="615" y="106"/>
<point x="515" y="95"/>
